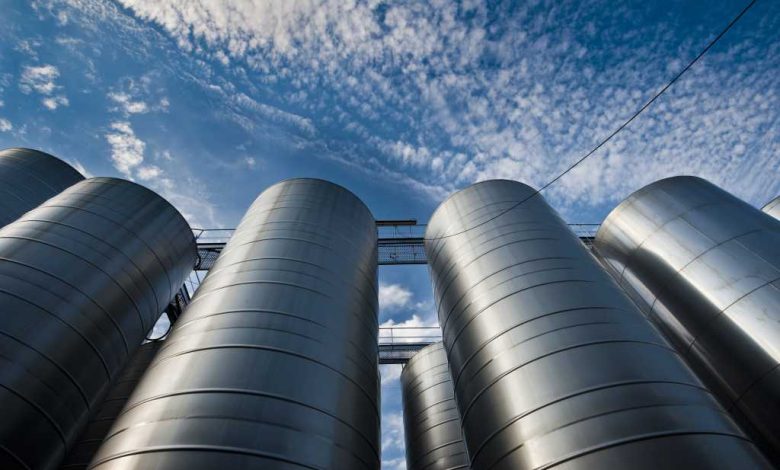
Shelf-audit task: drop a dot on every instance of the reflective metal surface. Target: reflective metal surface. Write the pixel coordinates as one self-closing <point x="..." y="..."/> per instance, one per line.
<point x="431" y="420"/>
<point x="705" y="267"/>
<point x="29" y="177"/>
<point x="553" y="365"/>
<point x="773" y="208"/>
<point x="82" y="452"/>
<point x="274" y="362"/>
<point x="83" y="277"/>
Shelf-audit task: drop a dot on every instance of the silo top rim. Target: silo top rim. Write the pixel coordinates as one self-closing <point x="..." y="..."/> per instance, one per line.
<point x="59" y="161"/>
<point x="319" y="180"/>
<point x="460" y="191"/>
<point x="648" y="187"/>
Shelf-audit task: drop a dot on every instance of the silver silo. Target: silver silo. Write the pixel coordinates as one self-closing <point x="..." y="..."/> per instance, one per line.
<point x="553" y="366"/>
<point x="29" y="177"/>
<point x="705" y="267"/>
<point x="274" y="362"/>
<point x="431" y="419"/>
<point x="100" y="422"/>
<point x="773" y="208"/>
<point x="83" y="277"/>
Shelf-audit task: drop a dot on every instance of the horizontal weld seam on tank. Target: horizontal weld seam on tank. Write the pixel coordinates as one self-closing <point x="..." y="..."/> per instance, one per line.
<point x="162" y="359"/>
<point x="41" y="411"/>
<point x="449" y="316"/>
<point x="519" y="291"/>
<point x="98" y="268"/>
<point x="210" y="448"/>
<point x="661" y="227"/>
<point x="12" y="194"/>
<point x="236" y="391"/>
<point x="735" y="403"/>
<point x="68" y="325"/>
<point x="586" y="391"/>
<point x="228" y="247"/>
<point x="33" y="174"/>
<point x="428" y="387"/>
<point x="721" y="312"/>
<point x="456" y="263"/>
<point x="415" y="387"/>
<point x="434" y="449"/>
<point x="440" y="423"/>
<point x="558" y="351"/>
<point x="480" y="281"/>
<point x="514" y="345"/>
<point x="123" y="227"/>
<point x="368" y="326"/>
<point x="645" y="437"/>
<point x="519" y="325"/>
<point x="16" y="458"/>
<point x="116" y="249"/>
<point x="424" y="352"/>
<point x="445" y="410"/>
<point x="275" y="424"/>
<point x="486" y="294"/>
<point x="440" y="243"/>
<point x="450" y="398"/>
<point x="179" y="326"/>
<point x="327" y="281"/>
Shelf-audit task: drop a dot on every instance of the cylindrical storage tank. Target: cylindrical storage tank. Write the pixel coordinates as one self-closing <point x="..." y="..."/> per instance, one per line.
<point x="273" y="364"/>
<point x="431" y="420"/>
<point x="705" y="267"/>
<point x="101" y="421"/>
<point x="29" y="177"/>
<point x="552" y="364"/>
<point x="773" y="208"/>
<point x="83" y="278"/>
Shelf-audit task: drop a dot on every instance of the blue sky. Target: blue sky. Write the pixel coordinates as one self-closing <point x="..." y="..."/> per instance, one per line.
<point x="210" y="102"/>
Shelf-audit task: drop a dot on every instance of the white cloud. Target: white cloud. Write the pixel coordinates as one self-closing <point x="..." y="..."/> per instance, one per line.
<point x="127" y="104"/>
<point x="392" y="434"/>
<point x="43" y="80"/>
<point x="393" y="296"/>
<point x="5" y="125"/>
<point x="127" y="150"/>
<point x="149" y="172"/>
<point x="80" y="168"/>
<point x="443" y="94"/>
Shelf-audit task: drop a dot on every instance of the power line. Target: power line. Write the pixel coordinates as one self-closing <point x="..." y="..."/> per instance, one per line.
<point x="615" y="132"/>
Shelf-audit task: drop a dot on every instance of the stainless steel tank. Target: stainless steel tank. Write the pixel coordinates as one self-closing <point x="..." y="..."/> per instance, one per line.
<point x="431" y="420"/>
<point x="274" y="362"/>
<point x="83" y="277"/>
<point x="553" y="366"/>
<point x="773" y="208"/>
<point x="80" y="455"/>
<point x="29" y="177"/>
<point x="705" y="267"/>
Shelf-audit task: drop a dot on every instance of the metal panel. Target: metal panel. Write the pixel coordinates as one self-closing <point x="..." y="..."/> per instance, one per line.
<point x="83" y="277"/>
<point x="553" y="365"/>
<point x="82" y="452"/>
<point x="29" y="177"/>
<point x="431" y="420"/>
<point x="274" y="362"/>
<point x="773" y="208"/>
<point x="705" y="267"/>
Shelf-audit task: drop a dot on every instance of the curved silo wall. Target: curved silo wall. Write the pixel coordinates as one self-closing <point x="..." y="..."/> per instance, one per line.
<point x="101" y="421"/>
<point x="705" y="267"/>
<point x="773" y="208"/>
<point x="431" y="419"/>
<point x="274" y="362"/>
<point x="553" y="366"/>
<point x="29" y="177"/>
<point x="83" y="278"/>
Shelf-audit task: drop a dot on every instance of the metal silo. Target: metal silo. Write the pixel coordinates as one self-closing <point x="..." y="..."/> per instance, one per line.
<point x="274" y="362"/>
<point x="431" y="420"/>
<point x="29" y="177"/>
<point x="552" y="364"/>
<point x="83" y="277"/>
<point x="705" y="267"/>
<point x="773" y="208"/>
<point x="100" y="422"/>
